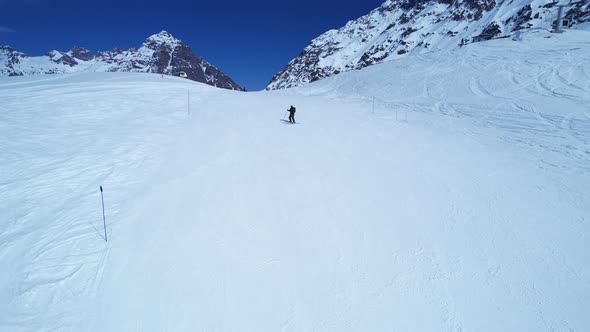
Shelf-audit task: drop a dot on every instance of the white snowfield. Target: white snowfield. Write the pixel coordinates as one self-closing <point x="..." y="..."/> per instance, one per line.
<point x="471" y="215"/>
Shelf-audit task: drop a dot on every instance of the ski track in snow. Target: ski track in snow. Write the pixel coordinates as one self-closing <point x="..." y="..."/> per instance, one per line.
<point x="501" y="87"/>
<point x="471" y="215"/>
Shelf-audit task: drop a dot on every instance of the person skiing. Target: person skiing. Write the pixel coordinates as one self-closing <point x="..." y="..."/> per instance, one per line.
<point x="291" y="111"/>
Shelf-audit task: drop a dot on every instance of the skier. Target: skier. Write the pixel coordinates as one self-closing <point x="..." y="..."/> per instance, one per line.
<point x="291" y="111"/>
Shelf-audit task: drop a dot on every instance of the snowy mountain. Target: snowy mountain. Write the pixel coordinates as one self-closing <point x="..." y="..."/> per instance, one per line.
<point x="160" y="53"/>
<point x="402" y="27"/>
<point x="456" y="201"/>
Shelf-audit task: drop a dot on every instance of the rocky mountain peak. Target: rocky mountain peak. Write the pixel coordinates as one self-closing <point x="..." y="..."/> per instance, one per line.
<point x="164" y="38"/>
<point x="81" y="53"/>
<point x="11" y="53"/>
<point x="161" y="53"/>
<point x="163" y="34"/>
<point x="10" y="57"/>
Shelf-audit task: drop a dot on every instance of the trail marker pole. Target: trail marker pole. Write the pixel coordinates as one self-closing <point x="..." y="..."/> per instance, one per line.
<point x="188" y="93"/>
<point x="104" y="220"/>
<point x="373" y="106"/>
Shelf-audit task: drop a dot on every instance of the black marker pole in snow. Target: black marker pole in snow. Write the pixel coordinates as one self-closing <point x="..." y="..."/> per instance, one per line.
<point x="104" y="220"/>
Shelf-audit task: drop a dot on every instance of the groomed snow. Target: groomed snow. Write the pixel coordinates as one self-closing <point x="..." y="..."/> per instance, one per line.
<point x="444" y="192"/>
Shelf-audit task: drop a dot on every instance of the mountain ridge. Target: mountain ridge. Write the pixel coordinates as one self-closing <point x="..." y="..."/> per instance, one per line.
<point x="160" y="53"/>
<point x="401" y="27"/>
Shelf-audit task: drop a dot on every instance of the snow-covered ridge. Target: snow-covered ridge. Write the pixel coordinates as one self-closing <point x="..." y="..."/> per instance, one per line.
<point x="402" y="27"/>
<point x="160" y="53"/>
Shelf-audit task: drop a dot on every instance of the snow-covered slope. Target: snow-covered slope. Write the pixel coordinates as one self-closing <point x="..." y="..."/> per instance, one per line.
<point x="402" y="27"/>
<point x="160" y="53"/>
<point x="453" y="197"/>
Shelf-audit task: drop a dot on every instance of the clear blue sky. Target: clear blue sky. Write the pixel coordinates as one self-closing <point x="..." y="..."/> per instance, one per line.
<point x="250" y="40"/>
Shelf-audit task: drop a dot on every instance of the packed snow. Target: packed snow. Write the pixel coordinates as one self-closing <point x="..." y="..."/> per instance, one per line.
<point x="443" y="192"/>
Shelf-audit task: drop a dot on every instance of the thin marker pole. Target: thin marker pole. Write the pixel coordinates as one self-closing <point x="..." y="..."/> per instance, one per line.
<point x="104" y="220"/>
<point x="188" y="93"/>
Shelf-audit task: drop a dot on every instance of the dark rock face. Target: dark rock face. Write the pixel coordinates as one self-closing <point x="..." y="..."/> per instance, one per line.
<point x="9" y="58"/>
<point x="521" y="19"/>
<point x="61" y="58"/>
<point x="110" y="57"/>
<point x="491" y="31"/>
<point x="578" y="12"/>
<point x="12" y="55"/>
<point x="160" y="53"/>
<point x="81" y="53"/>
<point x="400" y="28"/>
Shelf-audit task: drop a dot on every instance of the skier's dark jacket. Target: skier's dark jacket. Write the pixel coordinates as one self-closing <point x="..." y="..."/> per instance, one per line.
<point x="291" y="110"/>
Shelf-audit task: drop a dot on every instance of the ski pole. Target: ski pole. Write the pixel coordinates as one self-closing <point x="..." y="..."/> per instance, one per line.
<point x="285" y="115"/>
